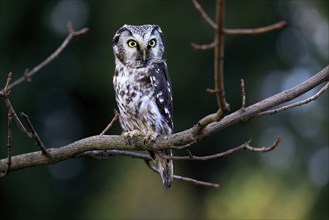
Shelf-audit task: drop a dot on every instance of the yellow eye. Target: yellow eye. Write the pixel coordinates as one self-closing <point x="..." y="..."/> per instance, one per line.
<point x="152" y="43"/>
<point x="132" y="43"/>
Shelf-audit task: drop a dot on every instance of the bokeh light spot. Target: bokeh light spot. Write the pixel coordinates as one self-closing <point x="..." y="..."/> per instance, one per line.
<point x="318" y="167"/>
<point x="64" y="11"/>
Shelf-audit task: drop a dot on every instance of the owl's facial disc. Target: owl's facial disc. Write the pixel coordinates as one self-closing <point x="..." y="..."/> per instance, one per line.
<point x="137" y="46"/>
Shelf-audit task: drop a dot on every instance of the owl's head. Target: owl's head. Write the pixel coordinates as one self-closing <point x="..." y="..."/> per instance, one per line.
<point x="136" y="46"/>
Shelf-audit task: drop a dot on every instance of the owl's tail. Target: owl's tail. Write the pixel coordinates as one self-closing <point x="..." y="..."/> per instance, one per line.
<point x="165" y="167"/>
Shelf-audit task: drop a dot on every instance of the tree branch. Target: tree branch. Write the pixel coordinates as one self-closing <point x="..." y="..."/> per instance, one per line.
<point x="245" y="146"/>
<point x="259" y="30"/>
<point x="174" y="141"/>
<point x="28" y="74"/>
<point x="4" y="93"/>
<point x="109" y="126"/>
<point x="16" y="119"/>
<point x="9" y="144"/>
<point x="185" y="179"/>
<point x="243" y="94"/>
<point x="219" y="58"/>
<point x="35" y="135"/>
<point x="203" y="46"/>
<point x="293" y="105"/>
<point x="196" y="182"/>
<point x="106" y="154"/>
<point x="204" y="15"/>
<point x="268" y="103"/>
<point x="206" y="121"/>
<point x="240" y="31"/>
<point x="250" y="31"/>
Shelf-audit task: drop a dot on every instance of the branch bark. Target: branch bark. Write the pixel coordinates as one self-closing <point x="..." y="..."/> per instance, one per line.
<point x="219" y="58"/>
<point x="174" y="141"/>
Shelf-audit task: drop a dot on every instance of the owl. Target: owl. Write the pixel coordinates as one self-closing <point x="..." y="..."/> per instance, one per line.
<point x="143" y="89"/>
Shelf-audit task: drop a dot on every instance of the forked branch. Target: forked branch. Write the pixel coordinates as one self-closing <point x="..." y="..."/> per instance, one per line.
<point x="29" y="73"/>
<point x="4" y="93"/>
<point x="174" y="141"/>
<point x="218" y="45"/>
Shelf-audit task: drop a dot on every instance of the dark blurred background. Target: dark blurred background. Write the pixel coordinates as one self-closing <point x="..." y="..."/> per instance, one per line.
<point x="73" y="98"/>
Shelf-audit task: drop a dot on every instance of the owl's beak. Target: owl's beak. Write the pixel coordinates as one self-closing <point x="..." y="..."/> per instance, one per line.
<point x="144" y="55"/>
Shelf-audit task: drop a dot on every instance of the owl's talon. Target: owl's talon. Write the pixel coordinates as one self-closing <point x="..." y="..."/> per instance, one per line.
<point x="128" y="139"/>
<point x="150" y="137"/>
<point x="132" y="134"/>
<point x="145" y="142"/>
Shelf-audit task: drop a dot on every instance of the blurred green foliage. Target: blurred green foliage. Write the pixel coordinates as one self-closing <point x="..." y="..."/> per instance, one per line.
<point x="73" y="98"/>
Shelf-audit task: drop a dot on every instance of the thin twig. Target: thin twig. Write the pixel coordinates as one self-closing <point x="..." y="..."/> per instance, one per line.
<point x="204" y="15"/>
<point x="219" y="58"/>
<point x="189" y="153"/>
<point x="35" y="135"/>
<point x="264" y="149"/>
<point x="209" y="157"/>
<point x="109" y="126"/>
<point x="203" y="46"/>
<point x="259" y="30"/>
<point x="9" y="78"/>
<point x="254" y="31"/>
<point x="243" y="93"/>
<point x="18" y="122"/>
<point x="211" y="90"/>
<point x="10" y="137"/>
<point x="296" y="104"/>
<point x="104" y="155"/>
<point x="244" y="146"/>
<point x="27" y="75"/>
<point x="10" y="142"/>
<point x="240" y="31"/>
<point x="196" y="182"/>
<point x="185" y="179"/>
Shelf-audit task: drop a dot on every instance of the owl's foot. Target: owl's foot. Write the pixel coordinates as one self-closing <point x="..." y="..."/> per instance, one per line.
<point x="150" y="137"/>
<point x="132" y="134"/>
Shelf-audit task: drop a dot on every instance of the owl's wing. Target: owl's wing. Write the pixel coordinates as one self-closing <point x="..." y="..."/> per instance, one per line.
<point x="163" y="92"/>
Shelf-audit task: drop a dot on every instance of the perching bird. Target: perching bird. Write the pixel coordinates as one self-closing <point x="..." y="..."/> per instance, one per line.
<point x="143" y="89"/>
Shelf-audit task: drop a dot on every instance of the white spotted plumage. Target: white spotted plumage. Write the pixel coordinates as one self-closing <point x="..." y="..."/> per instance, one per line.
<point x="143" y="88"/>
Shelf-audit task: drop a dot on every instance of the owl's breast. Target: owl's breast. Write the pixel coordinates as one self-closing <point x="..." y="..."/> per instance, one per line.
<point x="136" y="97"/>
<point x="131" y="87"/>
